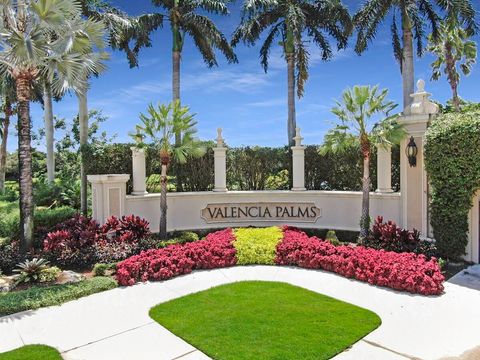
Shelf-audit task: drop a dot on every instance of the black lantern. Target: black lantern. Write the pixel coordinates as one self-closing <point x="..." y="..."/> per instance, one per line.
<point x="412" y="152"/>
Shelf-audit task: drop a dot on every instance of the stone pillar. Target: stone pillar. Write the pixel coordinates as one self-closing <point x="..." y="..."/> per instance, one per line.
<point x="413" y="178"/>
<point x="384" y="169"/>
<point x="139" y="171"/>
<point x="298" y="163"/>
<point x="220" y="158"/>
<point x="108" y="195"/>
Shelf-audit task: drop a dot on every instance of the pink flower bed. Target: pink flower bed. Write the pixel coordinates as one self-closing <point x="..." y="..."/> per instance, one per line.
<point x="215" y="251"/>
<point x="399" y="271"/>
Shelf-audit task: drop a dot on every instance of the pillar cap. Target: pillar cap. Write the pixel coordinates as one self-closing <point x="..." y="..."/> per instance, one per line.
<point x="108" y="178"/>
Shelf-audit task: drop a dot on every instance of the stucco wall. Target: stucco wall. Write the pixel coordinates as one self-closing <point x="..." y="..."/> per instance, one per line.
<point x="341" y="210"/>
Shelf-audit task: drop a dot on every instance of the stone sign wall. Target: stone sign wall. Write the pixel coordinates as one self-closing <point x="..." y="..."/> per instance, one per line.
<point x="261" y="211"/>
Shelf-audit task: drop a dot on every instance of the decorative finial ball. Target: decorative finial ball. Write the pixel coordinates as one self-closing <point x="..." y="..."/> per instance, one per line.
<point x="420" y="85"/>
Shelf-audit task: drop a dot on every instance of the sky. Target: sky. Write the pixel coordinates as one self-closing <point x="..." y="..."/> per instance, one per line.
<point x="249" y="104"/>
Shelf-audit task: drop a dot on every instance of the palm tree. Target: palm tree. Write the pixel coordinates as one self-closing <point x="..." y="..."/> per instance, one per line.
<point x="354" y="112"/>
<point x="7" y="94"/>
<point x="27" y="27"/>
<point x="185" y="18"/>
<point x="161" y="125"/>
<point x="292" y="21"/>
<point x="451" y="48"/>
<point x="81" y="36"/>
<point x="93" y="33"/>
<point x="413" y="16"/>
<point x="125" y="33"/>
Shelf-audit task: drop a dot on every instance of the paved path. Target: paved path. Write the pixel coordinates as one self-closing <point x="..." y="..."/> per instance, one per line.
<point x="115" y="324"/>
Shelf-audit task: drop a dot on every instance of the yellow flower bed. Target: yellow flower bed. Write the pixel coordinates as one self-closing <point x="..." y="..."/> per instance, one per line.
<point x="257" y="246"/>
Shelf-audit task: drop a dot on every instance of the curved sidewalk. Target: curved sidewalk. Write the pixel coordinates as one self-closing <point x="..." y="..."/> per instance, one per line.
<point x="115" y="324"/>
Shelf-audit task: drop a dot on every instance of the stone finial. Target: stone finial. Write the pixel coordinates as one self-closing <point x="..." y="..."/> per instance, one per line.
<point x="421" y="104"/>
<point x="298" y="138"/>
<point x="420" y="86"/>
<point x="220" y="139"/>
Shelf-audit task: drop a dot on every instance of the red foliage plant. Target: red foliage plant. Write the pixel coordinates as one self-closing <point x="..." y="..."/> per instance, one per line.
<point x="127" y="229"/>
<point x="215" y="251"/>
<point x="75" y="233"/>
<point x="399" y="271"/>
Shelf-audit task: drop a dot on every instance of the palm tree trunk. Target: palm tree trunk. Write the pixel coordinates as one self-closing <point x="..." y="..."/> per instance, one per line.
<point x="25" y="163"/>
<point x="408" y="72"/>
<point x="365" y="219"/>
<point x="451" y="75"/>
<point x="3" y="146"/>
<point x="176" y="55"/>
<point x="163" y="204"/>
<point x="48" y="112"/>
<point x="292" y="122"/>
<point x="83" y="130"/>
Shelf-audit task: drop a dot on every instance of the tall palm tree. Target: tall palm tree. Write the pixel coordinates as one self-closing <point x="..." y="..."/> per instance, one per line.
<point x="355" y="110"/>
<point x="185" y="17"/>
<point x="25" y="48"/>
<point x="293" y="21"/>
<point x="125" y="33"/>
<point x="7" y="96"/>
<point x="413" y="16"/>
<point x="80" y="36"/>
<point x="161" y="124"/>
<point x="453" y="48"/>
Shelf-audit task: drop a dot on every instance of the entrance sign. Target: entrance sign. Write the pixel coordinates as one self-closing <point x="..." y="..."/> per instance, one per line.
<point x="262" y="211"/>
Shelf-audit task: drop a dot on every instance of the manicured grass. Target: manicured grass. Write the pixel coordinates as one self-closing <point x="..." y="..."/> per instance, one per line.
<point x="32" y="352"/>
<point x="265" y="320"/>
<point x="37" y="297"/>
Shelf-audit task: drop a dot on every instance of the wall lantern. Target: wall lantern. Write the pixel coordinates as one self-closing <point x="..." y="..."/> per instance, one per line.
<point x="412" y="152"/>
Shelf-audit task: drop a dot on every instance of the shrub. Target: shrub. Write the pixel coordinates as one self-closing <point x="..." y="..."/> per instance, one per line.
<point x="112" y="252"/>
<point x="399" y="271"/>
<point x="181" y="237"/>
<point x="44" y="221"/>
<point x="37" y="297"/>
<point x="452" y="160"/>
<point x="127" y="229"/>
<point x="216" y="250"/>
<point x="256" y="246"/>
<point x="80" y="241"/>
<point x="331" y="237"/>
<point x="390" y="237"/>
<point x="103" y="269"/>
<point x="9" y="256"/>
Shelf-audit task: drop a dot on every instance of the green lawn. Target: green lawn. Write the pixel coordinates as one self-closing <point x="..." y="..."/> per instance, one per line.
<point x="265" y="320"/>
<point x="32" y="352"/>
<point x="37" y="297"/>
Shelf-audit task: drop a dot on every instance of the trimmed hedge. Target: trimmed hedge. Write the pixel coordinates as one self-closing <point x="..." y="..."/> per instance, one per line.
<point x="248" y="168"/>
<point x="37" y="297"/>
<point x="452" y="160"/>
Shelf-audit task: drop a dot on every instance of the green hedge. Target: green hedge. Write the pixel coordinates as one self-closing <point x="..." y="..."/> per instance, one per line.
<point x="37" y="297"/>
<point x="44" y="219"/>
<point x="248" y="168"/>
<point x="452" y="160"/>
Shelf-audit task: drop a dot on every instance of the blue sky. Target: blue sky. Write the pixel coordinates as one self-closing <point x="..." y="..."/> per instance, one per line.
<point x="247" y="103"/>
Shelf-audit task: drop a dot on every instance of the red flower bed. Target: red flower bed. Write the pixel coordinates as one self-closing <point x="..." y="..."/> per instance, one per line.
<point x="399" y="271"/>
<point x="215" y="251"/>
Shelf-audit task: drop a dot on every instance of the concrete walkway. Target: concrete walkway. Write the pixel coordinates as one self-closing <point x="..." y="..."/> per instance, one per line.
<point x="115" y="324"/>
